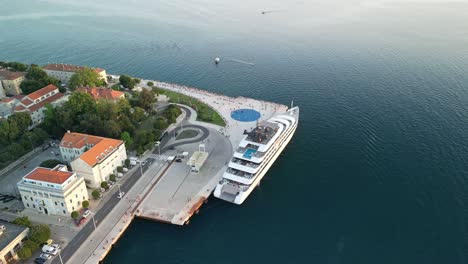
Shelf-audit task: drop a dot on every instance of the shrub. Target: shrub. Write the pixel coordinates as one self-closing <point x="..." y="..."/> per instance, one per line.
<point x="120" y="169"/>
<point x="96" y="194"/>
<point x="24" y="253"/>
<point x="22" y="221"/>
<point x="30" y="244"/>
<point x="104" y="185"/>
<point x="85" y="204"/>
<point x="112" y="177"/>
<point x="74" y="215"/>
<point x="150" y="84"/>
<point x="127" y="163"/>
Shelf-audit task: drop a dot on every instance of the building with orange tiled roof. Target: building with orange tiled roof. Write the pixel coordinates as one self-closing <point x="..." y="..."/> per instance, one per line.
<point x="10" y="82"/>
<point x="55" y="191"/>
<point x="102" y="93"/>
<point x="95" y="158"/>
<point x="34" y="103"/>
<point x="64" y="72"/>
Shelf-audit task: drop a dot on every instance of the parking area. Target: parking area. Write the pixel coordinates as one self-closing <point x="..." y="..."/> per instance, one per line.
<point x="9" y="180"/>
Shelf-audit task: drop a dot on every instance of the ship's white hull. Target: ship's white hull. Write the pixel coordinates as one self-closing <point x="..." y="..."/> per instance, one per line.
<point x="242" y="196"/>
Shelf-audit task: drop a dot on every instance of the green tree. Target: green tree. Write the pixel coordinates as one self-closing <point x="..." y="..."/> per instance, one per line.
<point x="36" y="79"/>
<point x="138" y="114"/>
<point x="22" y="120"/>
<point x="127" y="81"/>
<point x="24" y="253"/>
<point x="105" y="185"/>
<point x="112" y="177"/>
<point x="50" y="163"/>
<point x="36" y="73"/>
<point x="85" y="77"/>
<point x="125" y="136"/>
<point x="30" y="244"/>
<point x="127" y="163"/>
<point x="74" y="215"/>
<point x="146" y="99"/>
<point x="40" y="233"/>
<point x="85" y="204"/>
<point x="79" y="104"/>
<point x="22" y="221"/>
<point x="119" y="169"/>
<point x="17" y="66"/>
<point x="160" y="123"/>
<point x="150" y="84"/>
<point x="96" y="194"/>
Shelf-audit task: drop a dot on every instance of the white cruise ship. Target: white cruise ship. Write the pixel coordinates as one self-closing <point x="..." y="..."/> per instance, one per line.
<point x="256" y="153"/>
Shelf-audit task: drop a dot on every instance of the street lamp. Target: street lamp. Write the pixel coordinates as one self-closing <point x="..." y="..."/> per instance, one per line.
<point x="94" y="221"/>
<point x="60" y="257"/>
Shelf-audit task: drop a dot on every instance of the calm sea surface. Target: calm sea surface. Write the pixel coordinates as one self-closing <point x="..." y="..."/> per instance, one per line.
<point x="377" y="171"/>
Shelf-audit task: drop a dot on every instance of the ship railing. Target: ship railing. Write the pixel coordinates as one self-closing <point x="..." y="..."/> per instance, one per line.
<point x="240" y="173"/>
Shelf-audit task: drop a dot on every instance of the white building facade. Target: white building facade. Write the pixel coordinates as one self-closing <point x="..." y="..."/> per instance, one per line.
<point x="54" y="191"/>
<point x="34" y="103"/>
<point x="94" y="158"/>
<point x="63" y="72"/>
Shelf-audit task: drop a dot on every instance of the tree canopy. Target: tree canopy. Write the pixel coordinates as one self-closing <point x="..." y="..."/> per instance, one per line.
<point x="37" y="78"/>
<point x="85" y="77"/>
<point x="39" y="233"/>
<point x="146" y="99"/>
<point x="14" y="66"/>
<point x="22" y="221"/>
<point x="51" y="163"/>
<point x="128" y="81"/>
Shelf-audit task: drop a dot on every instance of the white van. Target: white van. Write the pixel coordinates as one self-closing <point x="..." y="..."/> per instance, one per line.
<point x="49" y="250"/>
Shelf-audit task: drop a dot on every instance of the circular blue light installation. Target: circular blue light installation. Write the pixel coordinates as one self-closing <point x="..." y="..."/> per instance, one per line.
<point x="245" y="115"/>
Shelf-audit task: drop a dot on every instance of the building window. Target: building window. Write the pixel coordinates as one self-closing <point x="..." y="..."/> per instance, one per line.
<point x="73" y="208"/>
<point x="31" y="198"/>
<point x="55" y="203"/>
<point x="78" y="203"/>
<point x="64" y="212"/>
<point x="76" y="195"/>
<point x="34" y="206"/>
<point x="62" y="204"/>
<point x="27" y="205"/>
<point x="71" y="201"/>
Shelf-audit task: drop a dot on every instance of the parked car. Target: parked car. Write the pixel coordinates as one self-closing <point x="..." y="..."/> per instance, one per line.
<point x="86" y="214"/>
<point x="143" y="163"/>
<point x="157" y="143"/>
<point x="120" y="195"/>
<point x="39" y="261"/>
<point x="80" y="221"/>
<point x="57" y="246"/>
<point x="45" y="256"/>
<point x="178" y="160"/>
<point x="49" y="250"/>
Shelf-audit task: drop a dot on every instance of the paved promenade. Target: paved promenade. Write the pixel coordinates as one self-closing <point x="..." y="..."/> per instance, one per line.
<point x="224" y="105"/>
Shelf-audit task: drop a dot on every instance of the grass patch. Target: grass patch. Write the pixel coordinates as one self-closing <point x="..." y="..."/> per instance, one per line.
<point x="204" y="112"/>
<point x="189" y="133"/>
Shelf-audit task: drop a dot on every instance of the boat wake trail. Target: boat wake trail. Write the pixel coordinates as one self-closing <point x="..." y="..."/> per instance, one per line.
<point x="241" y="61"/>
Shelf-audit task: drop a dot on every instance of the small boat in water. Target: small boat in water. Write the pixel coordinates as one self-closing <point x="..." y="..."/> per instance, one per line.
<point x="217" y="60"/>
